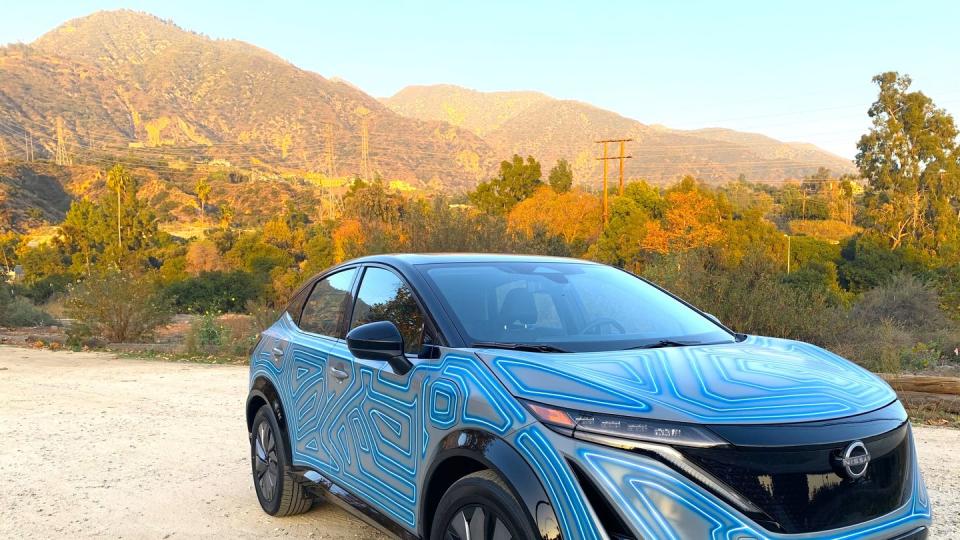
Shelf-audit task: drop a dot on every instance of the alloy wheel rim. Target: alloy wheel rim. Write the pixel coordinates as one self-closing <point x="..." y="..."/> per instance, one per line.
<point x="266" y="465"/>
<point x="477" y="522"/>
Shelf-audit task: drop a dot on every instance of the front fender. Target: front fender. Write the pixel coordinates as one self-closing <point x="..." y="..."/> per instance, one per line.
<point x="496" y="454"/>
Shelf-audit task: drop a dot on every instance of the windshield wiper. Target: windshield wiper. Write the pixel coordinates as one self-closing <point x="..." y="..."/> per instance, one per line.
<point x="532" y="347"/>
<point x="665" y="343"/>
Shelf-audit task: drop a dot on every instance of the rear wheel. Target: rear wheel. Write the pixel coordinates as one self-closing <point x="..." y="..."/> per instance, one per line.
<point x="279" y="491"/>
<point x="480" y="506"/>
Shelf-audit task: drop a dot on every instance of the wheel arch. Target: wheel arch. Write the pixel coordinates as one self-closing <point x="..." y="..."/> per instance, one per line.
<point x="263" y="392"/>
<point x="464" y="452"/>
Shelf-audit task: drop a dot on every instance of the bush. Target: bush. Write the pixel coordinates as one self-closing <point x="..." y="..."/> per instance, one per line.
<point x="206" y="335"/>
<point x="221" y="336"/>
<point x="214" y="292"/>
<point x="116" y="307"/>
<point x="897" y="326"/>
<point x="904" y="300"/>
<point x="263" y="314"/>
<point x="19" y="312"/>
<point x="877" y="347"/>
<point x="749" y="298"/>
<point x="41" y="290"/>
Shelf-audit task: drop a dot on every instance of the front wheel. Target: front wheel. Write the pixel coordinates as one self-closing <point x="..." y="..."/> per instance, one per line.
<point x="279" y="491"/>
<point x="480" y="506"/>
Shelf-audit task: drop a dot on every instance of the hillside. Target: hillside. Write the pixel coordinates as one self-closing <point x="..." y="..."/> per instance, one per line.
<point x="175" y="106"/>
<point x="130" y="83"/>
<point x="479" y="112"/>
<point x="532" y="123"/>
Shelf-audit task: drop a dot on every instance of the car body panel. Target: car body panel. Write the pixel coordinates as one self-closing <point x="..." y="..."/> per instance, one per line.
<point x="377" y="434"/>
<point x="756" y="381"/>
<point x="373" y="432"/>
<point x="660" y="503"/>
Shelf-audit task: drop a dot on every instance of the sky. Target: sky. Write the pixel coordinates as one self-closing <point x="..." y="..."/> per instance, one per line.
<point x="796" y="71"/>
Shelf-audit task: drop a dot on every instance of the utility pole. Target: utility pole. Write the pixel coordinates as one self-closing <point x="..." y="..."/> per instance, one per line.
<point x="605" y="158"/>
<point x="788" y="252"/>
<point x="365" y="147"/>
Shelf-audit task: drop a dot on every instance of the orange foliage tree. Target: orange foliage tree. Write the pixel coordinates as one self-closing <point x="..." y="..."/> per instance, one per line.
<point x="349" y="240"/>
<point x="573" y="215"/>
<point x="692" y="220"/>
<point x="203" y="256"/>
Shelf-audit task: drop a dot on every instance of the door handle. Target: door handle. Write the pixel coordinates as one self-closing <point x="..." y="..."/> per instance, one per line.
<point x="277" y="351"/>
<point x="338" y="373"/>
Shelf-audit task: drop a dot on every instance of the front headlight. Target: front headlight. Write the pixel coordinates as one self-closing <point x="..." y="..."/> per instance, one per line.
<point x="590" y="426"/>
<point x="654" y="437"/>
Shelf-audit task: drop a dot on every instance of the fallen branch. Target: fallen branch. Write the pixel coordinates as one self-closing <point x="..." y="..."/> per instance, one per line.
<point x="942" y="403"/>
<point x="949" y="386"/>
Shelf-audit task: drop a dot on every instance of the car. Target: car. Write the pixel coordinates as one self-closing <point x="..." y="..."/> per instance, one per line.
<point x="457" y="397"/>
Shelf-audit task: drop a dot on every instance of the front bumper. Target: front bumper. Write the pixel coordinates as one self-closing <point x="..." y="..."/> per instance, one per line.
<point x="653" y="501"/>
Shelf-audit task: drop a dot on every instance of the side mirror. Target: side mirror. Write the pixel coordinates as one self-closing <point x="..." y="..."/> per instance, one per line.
<point x="379" y="341"/>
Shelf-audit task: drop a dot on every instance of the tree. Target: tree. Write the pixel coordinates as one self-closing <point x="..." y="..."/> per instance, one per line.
<point x="203" y="256"/>
<point x="203" y="192"/>
<point x="517" y="181"/>
<point x="9" y="243"/>
<point x="319" y="254"/>
<point x="118" y="180"/>
<point x="561" y="177"/>
<point x="909" y="157"/>
<point x="227" y="214"/>
<point x="87" y="238"/>
<point x="116" y="307"/>
<point x="691" y="221"/>
<point x="573" y="215"/>
<point x="277" y="232"/>
<point x="349" y="241"/>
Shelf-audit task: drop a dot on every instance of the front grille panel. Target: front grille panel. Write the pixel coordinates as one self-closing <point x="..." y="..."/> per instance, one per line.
<point x="800" y="488"/>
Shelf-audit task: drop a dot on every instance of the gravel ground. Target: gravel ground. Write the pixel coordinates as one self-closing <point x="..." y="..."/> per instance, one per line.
<point x="99" y="446"/>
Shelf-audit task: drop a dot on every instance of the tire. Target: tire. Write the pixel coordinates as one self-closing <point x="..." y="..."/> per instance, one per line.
<point x="482" y="504"/>
<point x="278" y="490"/>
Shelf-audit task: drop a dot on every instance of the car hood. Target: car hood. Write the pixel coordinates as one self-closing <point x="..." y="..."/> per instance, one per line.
<point x="756" y="381"/>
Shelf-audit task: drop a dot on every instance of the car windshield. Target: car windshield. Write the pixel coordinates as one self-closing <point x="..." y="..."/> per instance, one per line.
<point x="561" y="306"/>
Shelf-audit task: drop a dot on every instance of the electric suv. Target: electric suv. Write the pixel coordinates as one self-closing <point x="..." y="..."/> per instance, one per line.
<point x="479" y="397"/>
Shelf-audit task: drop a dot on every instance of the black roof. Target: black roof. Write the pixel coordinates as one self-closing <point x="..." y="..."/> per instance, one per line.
<point x="403" y="259"/>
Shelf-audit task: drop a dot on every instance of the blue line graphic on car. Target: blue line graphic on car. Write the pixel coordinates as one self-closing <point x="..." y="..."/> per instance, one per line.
<point x="492" y="396"/>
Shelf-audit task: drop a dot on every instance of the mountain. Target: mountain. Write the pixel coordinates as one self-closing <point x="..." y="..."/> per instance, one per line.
<point x="479" y="112"/>
<point x="550" y="129"/>
<point x="127" y="83"/>
<point x="175" y="106"/>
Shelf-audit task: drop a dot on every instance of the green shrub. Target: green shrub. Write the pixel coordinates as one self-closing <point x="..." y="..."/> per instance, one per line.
<point x="115" y="307"/>
<point x="206" y="335"/>
<point x="40" y="290"/>
<point x="897" y="326"/>
<point x="877" y="347"/>
<point x="230" y="336"/>
<point x="214" y="292"/>
<point x="19" y="312"/>
<point x="263" y="315"/>
<point x="749" y="298"/>
<point x="904" y="300"/>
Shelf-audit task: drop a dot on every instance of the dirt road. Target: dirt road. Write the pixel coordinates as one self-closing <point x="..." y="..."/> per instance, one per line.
<point x="91" y="445"/>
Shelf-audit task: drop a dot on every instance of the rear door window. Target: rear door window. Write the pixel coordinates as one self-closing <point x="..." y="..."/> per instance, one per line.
<point x="326" y="309"/>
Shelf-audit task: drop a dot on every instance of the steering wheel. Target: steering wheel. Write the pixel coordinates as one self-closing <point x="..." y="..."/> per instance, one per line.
<point x="596" y="324"/>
